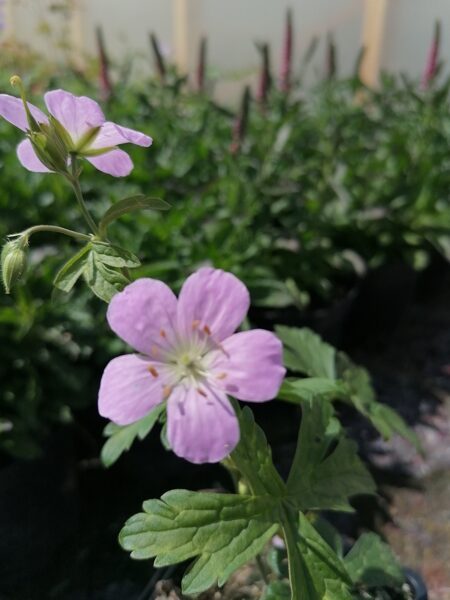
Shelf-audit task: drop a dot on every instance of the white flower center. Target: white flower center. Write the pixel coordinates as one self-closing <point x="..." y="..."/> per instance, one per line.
<point x="188" y="360"/>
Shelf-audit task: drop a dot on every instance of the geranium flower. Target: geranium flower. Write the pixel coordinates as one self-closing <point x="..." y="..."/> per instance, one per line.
<point x="190" y="357"/>
<point x="89" y="135"/>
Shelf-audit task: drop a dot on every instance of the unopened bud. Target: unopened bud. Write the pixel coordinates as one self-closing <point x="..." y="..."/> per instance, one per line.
<point x="14" y="262"/>
<point x="15" y="80"/>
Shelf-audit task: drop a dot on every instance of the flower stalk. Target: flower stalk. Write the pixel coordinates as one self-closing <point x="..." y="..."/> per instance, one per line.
<point x="160" y="65"/>
<point x="265" y="79"/>
<point x="241" y="121"/>
<point x="331" y="59"/>
<point x="106" y="88"/>
<point x="201" y="66"/>
<point x="286" y="63"/>
<point x="432" y="65"/>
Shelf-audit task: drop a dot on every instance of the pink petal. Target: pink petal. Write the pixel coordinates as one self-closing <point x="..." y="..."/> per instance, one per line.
<point x="115" y="162"/>
<point x="112" y="135"/>
<point x="143" y="315"/>
<point x="77" y="114"/>
<point x="12" y="109"/>
<point x="253" y="364"/>
<point x="201" y="429"/>
<point x="28" y="158"/>
<point x="212" y="299"/>
<point x="128" y="390"/>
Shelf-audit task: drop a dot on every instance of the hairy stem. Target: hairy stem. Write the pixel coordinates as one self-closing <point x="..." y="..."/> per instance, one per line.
<point x="54" y="229"/>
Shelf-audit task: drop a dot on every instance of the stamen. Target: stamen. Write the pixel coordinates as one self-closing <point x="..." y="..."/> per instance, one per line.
<point x="153" y="371"/>
<point x="167" y="390"/>
<point x="207" y="330"/>
<point x="221" y="376"/>
<point x="202" y="393"/>
<point x="154" y="351"/>
<point x="195" y="324"/>
<point x="162" y="333"/>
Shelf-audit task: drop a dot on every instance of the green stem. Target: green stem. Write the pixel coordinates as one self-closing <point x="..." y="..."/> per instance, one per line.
<point x="54" y="229"/>
<point x="75" y="183"/>
<point x="294" y="556"/>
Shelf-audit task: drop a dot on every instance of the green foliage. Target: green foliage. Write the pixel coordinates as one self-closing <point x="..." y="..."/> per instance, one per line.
<point x="127" y="205"/>
<point x="120" y="438"/>
<point x="226" y="530"/>
<point x="372" y="563"/>
<point x="277" y="590"/>
<point x="323" y="188"/>
<point x="103" y="266"/>
<point x="305" y="352"/>
<point x="326" y="470"/>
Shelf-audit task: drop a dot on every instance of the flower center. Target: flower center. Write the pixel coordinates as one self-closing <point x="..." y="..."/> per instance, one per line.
<point x="190" y="365"/>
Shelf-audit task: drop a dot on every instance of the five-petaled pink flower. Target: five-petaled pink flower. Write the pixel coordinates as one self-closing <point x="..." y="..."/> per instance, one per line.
<point x="190" y="357"/>
<point x="79" y="115"/>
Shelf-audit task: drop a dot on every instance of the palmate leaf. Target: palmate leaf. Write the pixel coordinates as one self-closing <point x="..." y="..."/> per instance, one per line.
<point x="114" y="256"/>
<point x="104" y="280"/>
<point x="326" y="470"/>
<point x="120" y="438"/>
<point x="305" y="352"/>
<point x="372" y="562"/>
<point x="224" y="531"/>
<point x="310" y="389"/>
<point x="333" y="375"/>
<point x="102" y="265"/>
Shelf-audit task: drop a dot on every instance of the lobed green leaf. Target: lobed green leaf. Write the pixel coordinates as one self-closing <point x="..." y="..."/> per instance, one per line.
<point x="371" y="562"/>
<point x="326" y="470"/>
<point x="306" y="352"/>
<point x="223" y="531"/>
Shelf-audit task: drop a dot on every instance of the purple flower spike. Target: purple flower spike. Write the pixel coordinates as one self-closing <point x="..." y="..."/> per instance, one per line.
<point x="191" y="358"/>
<point x="90" y="135"/>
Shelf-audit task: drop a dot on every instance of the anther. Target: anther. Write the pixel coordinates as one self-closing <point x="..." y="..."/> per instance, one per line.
<point x="201" y="392"/>
<point x="221" y="376"/>
<point x="153" y="371"/>
<point x="207" y="330"/>
<point x="154" y="351"/>
<point x="162" y="333"/>
<point x="195" y="324"/>
<point x="167" y="390"/>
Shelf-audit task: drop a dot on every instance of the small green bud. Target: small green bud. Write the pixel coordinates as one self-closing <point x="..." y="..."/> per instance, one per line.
<point x="14" y="262"/>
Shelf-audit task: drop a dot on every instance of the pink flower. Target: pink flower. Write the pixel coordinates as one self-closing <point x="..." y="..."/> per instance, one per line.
<point x="191" y="358"/>
<point x="89" y="134"/>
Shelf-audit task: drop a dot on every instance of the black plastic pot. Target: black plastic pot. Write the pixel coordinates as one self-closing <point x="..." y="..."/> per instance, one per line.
<point x="417" y="584"/>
